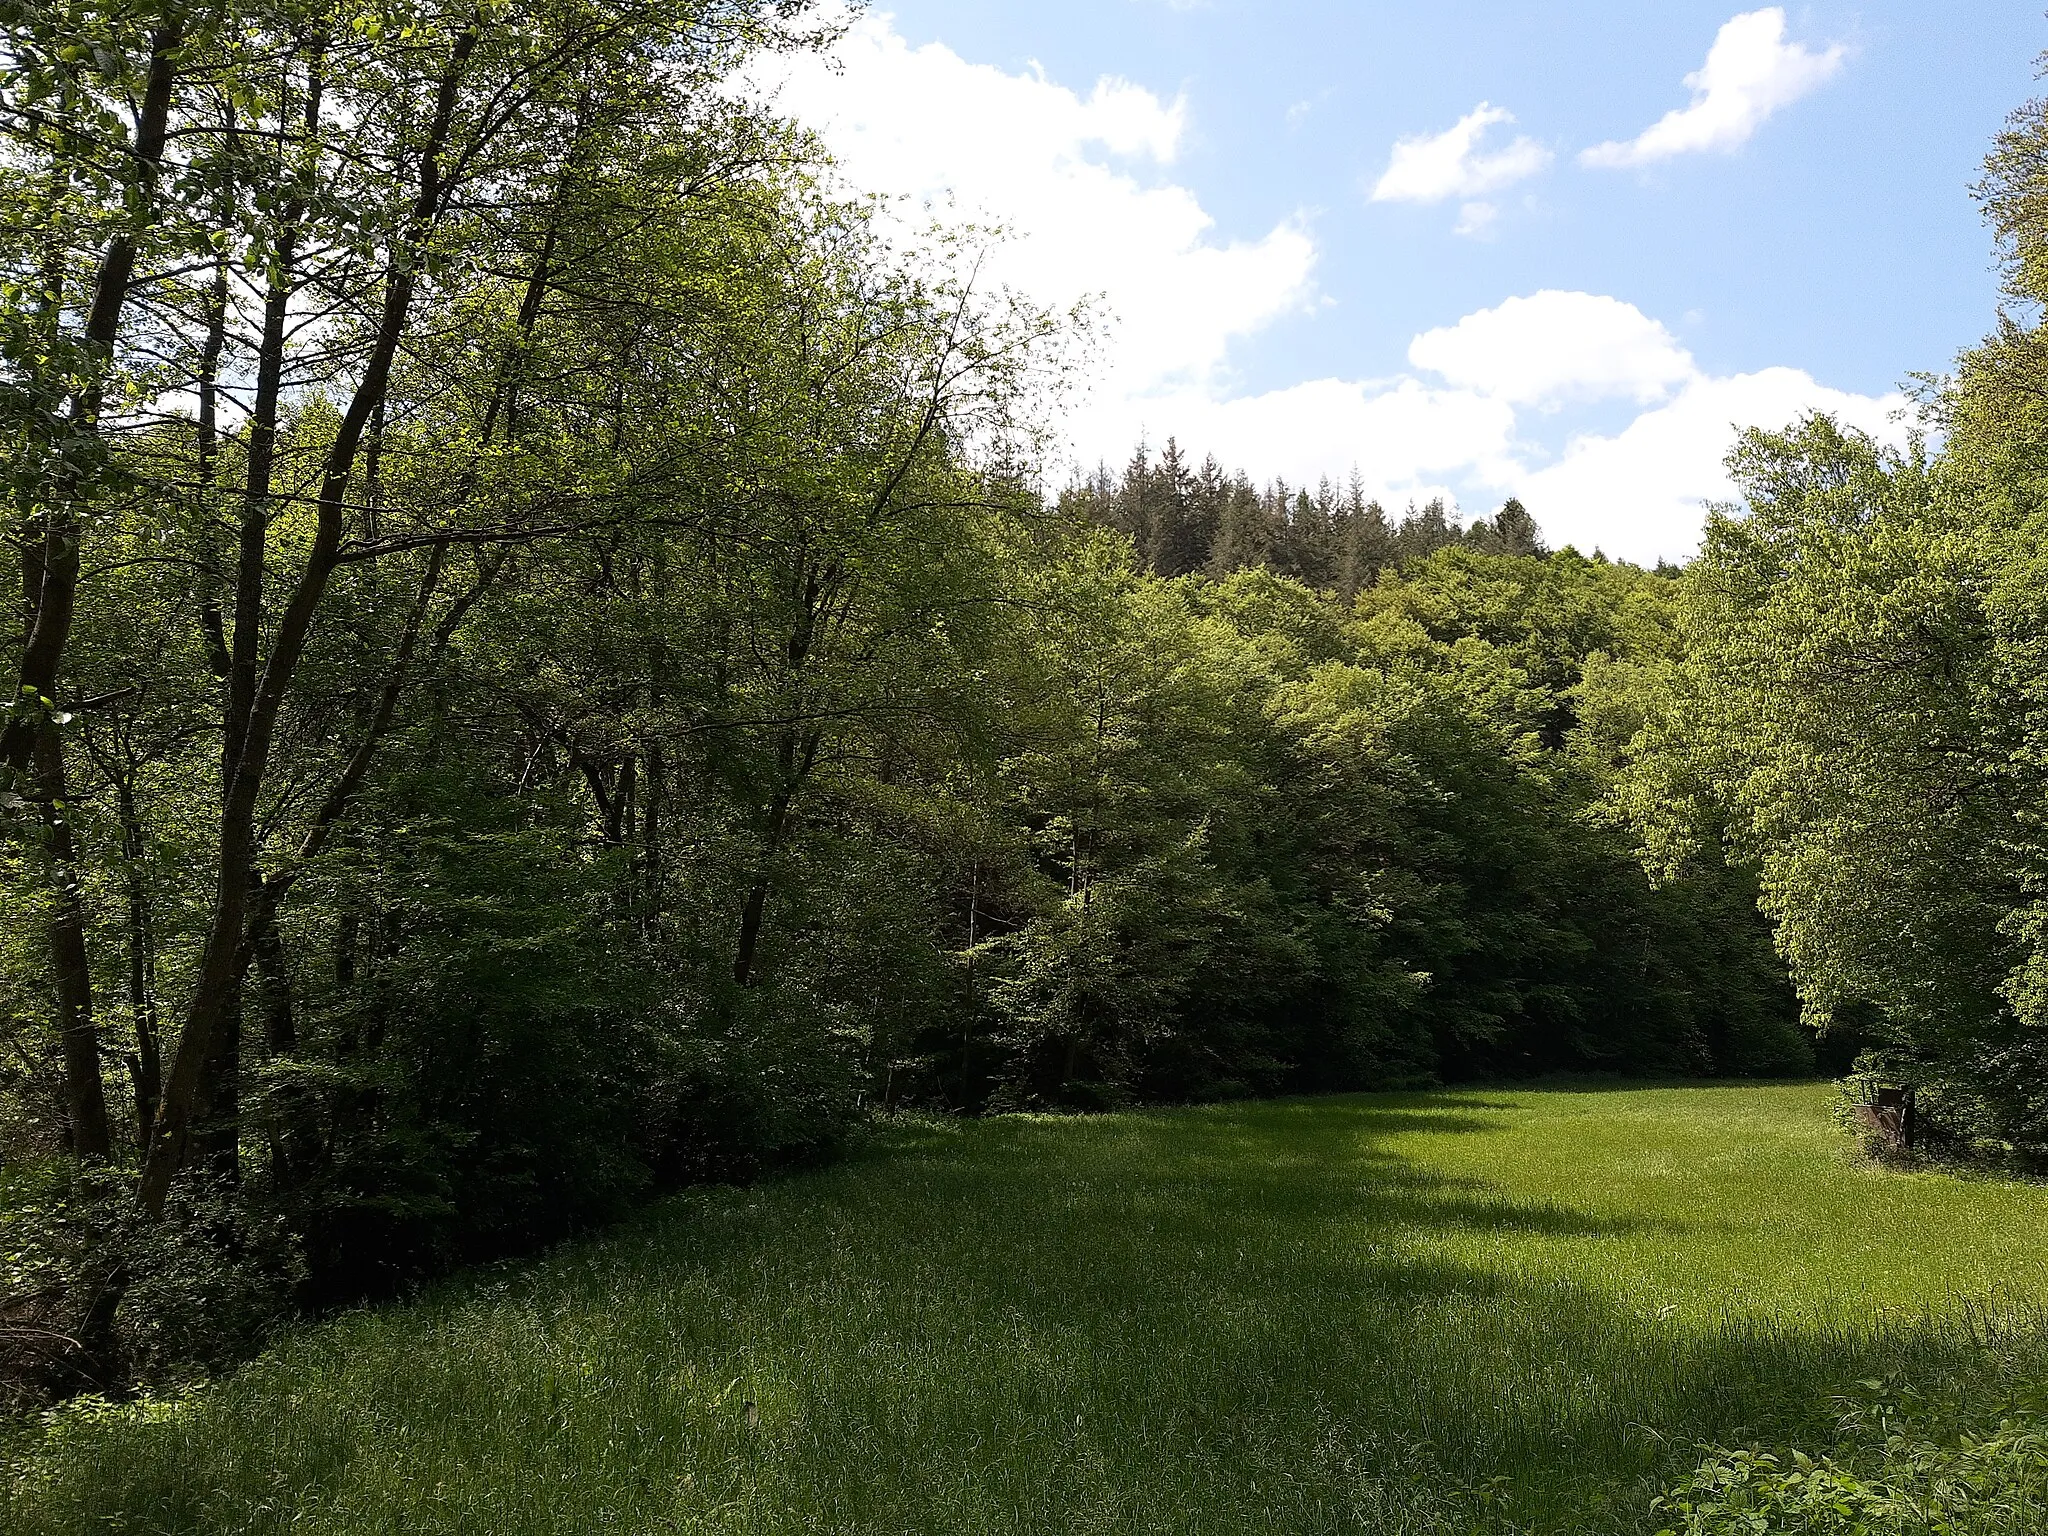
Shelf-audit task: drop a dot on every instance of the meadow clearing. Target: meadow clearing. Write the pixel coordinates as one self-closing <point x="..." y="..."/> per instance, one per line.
<point x="1479" y="1310"/>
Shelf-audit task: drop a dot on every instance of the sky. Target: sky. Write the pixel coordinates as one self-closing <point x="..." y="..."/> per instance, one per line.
<point x="1472" y="248"/>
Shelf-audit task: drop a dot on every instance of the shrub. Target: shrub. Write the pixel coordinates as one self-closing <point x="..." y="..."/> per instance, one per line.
<point x="1968" y="1465"/>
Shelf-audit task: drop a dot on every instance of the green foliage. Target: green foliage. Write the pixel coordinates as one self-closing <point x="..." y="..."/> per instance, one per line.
<point x="1856" y="712"/>
<point x="1903" y="1467"/>
<point x="1263" y="842"/>
<point x="203" y="1290"/>
<point x="1845" y="718"/>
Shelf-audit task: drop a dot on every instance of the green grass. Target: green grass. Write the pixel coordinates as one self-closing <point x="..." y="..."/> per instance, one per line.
<point x="1453" y="1312"/>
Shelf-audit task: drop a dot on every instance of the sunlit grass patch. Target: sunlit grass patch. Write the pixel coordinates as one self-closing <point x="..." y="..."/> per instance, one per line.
<point x="1484" y="1310"/>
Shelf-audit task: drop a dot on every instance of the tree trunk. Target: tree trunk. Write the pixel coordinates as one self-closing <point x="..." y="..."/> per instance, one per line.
<point x="797" y="759"/>
<point x="219" y="1089"/>
<point x="145" y="1067"/>
<point x="226" y="953"/>
<point x="85" y="1096"/>
<point x="217" y="1118"/>
<point x="294" y="1137"/>
<point x="56" y="601"/>
<point x="29" y="736"/>
<point x="212" y="620"/>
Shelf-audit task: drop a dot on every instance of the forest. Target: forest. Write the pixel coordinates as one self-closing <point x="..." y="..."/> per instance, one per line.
<point x="545" y="667"/>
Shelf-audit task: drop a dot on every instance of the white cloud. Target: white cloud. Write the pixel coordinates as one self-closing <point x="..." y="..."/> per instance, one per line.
<point x="1430" y="168"/>
<point x="1078" y="180"/>
<point x="1641" y="494"/>
<point x="1552" y="347"/>
<point x="1751" y="71"/>
<point x="1407" y="439"/>
<point x="1074" y="181"/>
<point x="1476" y="220"/>
<point x="1302" y="110"/>
<point x="1638" y="494"/>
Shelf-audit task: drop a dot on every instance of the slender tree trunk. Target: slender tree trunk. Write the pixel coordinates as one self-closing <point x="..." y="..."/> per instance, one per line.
<point x="225" y="955"/>
<point x="373" y="472"/>
<point x="254" y="524"/>
<point x="29" y="737"/>
<point x="751" y="916"/>
<point x="347" y="936"/>
<point x="84" y="1088"/>
<point x="217" y="1117"/>
<point x="973" y="1009"/>
<point x="280" y="1023"/>
<point x="212" y="619"/>
<point x="56" y="602"/>
<point x="650" y="828"/>
<point x="145" y="1067"/>
<point x="620" y="828"/>
<point x="220" y="1091"/>
<point x="797" y="759"/>
<point x="294" y="1137"/>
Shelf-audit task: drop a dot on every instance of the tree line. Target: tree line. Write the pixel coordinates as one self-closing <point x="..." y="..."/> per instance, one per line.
<point x="1184" y="520"/>
<point x="542" y="671"/>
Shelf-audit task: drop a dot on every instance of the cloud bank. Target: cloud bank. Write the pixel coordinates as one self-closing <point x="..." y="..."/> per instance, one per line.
<point x="1639" y="493"/>
<point x="1083" y="181"/>
<point x="1066" y="176"/>
<point x="1552" y="348"/>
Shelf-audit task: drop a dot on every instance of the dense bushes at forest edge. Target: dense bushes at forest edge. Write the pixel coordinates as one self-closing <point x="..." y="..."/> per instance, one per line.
<point x="542" y="676"/>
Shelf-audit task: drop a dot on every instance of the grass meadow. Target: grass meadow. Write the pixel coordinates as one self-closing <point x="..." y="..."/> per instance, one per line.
<point x="1455" y="1312"/>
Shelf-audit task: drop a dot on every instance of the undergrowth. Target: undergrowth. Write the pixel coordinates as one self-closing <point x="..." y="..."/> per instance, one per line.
<point x="1969" y="1458"/>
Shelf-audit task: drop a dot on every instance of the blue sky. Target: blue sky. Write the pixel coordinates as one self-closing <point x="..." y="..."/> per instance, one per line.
<point x="1511" y="313"/>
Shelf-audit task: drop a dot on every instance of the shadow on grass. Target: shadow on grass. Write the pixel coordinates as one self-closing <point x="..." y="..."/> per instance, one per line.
<point x="1220" y="1320"/>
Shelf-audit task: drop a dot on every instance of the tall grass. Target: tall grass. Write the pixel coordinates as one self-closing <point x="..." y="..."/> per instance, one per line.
<point x="1443" y="1313"/>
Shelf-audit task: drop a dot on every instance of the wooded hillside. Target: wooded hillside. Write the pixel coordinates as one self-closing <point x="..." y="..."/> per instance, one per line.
<point x="544" y="669"/>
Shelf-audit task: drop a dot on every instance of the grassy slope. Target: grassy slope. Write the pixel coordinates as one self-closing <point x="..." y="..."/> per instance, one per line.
<point x="1339" y="1315"/>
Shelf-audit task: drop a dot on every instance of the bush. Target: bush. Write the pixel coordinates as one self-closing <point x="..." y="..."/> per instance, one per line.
<point x="1970" y="1462"/>
<point x="93" y="1295"/>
